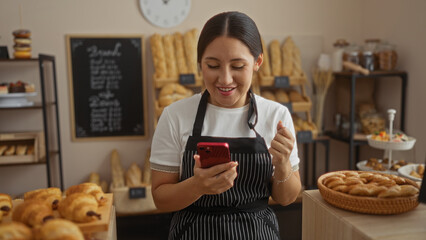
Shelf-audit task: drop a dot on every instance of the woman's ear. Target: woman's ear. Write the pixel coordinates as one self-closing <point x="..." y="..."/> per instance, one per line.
<point x="258" y="62"/>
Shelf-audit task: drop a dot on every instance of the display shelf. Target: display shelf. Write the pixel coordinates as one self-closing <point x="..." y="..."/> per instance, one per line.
<point x="50" y="127"/>
<point x="353" y="139"/>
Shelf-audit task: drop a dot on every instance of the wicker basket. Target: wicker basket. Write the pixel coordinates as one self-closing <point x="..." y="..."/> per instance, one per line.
<point x="370" y="205"/>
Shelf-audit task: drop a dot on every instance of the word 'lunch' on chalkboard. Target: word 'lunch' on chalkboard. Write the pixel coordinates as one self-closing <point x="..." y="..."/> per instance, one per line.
<point x="107" y="87"/>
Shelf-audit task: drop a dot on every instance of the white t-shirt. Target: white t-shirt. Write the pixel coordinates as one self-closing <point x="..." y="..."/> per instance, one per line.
<point x="177" y="120"/>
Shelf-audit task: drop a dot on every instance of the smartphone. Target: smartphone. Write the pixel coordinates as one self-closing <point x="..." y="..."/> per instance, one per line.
<point x="213" y="153"/>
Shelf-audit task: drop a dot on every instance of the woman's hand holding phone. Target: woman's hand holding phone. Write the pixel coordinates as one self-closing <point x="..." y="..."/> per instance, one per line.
<point x="216" y="179"/>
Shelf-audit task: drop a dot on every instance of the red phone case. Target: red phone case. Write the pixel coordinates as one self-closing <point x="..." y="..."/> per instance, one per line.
<point x="213" y="153"/>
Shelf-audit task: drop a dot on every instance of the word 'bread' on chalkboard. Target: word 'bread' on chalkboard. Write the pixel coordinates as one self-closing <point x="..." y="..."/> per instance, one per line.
<point x="107" y="87"/>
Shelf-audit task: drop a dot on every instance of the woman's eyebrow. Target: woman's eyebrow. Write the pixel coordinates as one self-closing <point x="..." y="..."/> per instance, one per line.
<point x="232" y="60"/>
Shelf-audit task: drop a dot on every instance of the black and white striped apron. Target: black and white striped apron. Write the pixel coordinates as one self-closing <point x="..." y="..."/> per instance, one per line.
<point x="241" y="212"/>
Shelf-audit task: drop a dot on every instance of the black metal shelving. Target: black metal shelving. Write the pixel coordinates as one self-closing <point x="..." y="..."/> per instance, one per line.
<point x="46" y="106"/>
<point x="355" y="140"/>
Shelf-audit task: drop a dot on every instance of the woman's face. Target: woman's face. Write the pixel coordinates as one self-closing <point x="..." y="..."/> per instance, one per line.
<point x="227" y="67"/>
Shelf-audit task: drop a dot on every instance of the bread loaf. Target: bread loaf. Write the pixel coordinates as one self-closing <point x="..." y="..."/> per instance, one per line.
<point x="79" y="207"/>
<point x="59" y="229"/>
<point x="172" y="92"/>
<point x="116" y="170"/>
<point x="190" y="52"/>
<point x="89" y="188"/>
<point x="51" y="196"/>
<point x="265" y="68"/>
<point x="282" y="96"/>
<point x="276" y="58"/>
<point x="95" y="178"/>
<point x="295" y="96"/>
<point x="169" y="52"/>
<point x="133" y="176"/>
<point x="180" y="53"/>
<point x="2" y="149"/>
<point x="5" y="204"/>
<point x="158" y="56"/>
<point x="15" y="231"/>
<point x="287" y="51"/>
<point x="268" y="95"/>
<point x="32" y="212"/>
<point x="21" y="149"/>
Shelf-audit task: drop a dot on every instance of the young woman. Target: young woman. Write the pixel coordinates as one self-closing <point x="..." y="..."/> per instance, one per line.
<point x="230" y="200"/>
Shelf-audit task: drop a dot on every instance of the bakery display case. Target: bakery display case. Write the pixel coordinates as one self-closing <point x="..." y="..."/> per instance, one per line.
<point x="353" y="138"/>
<point x="34" y="147"/>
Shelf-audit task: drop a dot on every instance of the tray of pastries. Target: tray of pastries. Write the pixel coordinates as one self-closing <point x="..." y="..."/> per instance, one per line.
<point x="381" y="165"/>
<point x="84" y="206"/>
<point x="369" y="192"/>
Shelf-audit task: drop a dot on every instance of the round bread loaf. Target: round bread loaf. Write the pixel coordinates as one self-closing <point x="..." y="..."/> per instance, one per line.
<point x="282" y="96"/>
<point x="269" y="95"/>
<point x="172" y="92"/>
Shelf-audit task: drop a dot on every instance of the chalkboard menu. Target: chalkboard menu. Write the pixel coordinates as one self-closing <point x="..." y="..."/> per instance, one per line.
<point x="106" y="86"/>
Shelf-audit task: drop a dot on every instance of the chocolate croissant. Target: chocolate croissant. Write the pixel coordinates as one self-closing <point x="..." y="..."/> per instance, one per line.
<point x="79" y="207"/>
<point x="32" y="212"/>
<point x="89" y="188"/>
<point x="5" y="204"/>
<point x="51" y="196"/>
<point x="59" y="229"/>
<point x="15" y="231"/>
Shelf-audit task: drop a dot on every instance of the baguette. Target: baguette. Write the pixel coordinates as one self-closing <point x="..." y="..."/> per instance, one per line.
<point x="158" y="56"/>
<point x="169" y="52"/>
<point x="180" y="53"/>
<point x="265" y="68"/>
<point x="276" y="59"/>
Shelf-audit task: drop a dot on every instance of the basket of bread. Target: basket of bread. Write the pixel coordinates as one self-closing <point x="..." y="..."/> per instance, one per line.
<point x="131" y="188"/>
<point x="49" y="213"/>
<point x="369" y="192"/>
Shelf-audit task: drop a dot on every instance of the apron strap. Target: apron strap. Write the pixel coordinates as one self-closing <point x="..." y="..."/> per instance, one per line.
<point x="202" y="108"/>
<point x="201" y="112"/>
<point x="252" y="110"/>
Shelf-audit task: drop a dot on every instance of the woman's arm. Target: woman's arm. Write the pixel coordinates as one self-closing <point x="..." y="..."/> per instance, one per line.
<point x="286" y="184"/>
<point x="171" y="195"/>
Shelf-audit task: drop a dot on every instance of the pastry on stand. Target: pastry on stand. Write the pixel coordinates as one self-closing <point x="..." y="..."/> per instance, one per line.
<point x="391" y="142"/>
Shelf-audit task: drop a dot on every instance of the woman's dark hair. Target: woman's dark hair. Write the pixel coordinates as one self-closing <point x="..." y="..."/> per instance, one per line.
<point x="230" y="24"/>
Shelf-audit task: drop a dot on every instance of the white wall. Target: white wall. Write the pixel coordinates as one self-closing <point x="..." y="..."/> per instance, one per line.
<point x="51" y="20"/>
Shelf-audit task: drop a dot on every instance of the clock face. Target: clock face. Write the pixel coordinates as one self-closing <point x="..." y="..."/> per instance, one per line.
<point x="165" y="13"/>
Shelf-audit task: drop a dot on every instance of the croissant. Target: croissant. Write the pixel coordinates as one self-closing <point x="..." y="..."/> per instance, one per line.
<point x="89" y="188"/>
<point x="15" y="231"/>
<point x="5" y="204"/>
<point x="59" y="229"/>
<point x="32" y="212"/>
<point x="79" y="207"/>
<point x="51" y="196"/>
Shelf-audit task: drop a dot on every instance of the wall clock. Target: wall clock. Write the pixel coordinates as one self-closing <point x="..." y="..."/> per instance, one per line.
<point x="165" y="13"/>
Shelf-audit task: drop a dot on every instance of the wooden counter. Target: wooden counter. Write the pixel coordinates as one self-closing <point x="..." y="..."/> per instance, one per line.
<point x="321" y="220"/>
